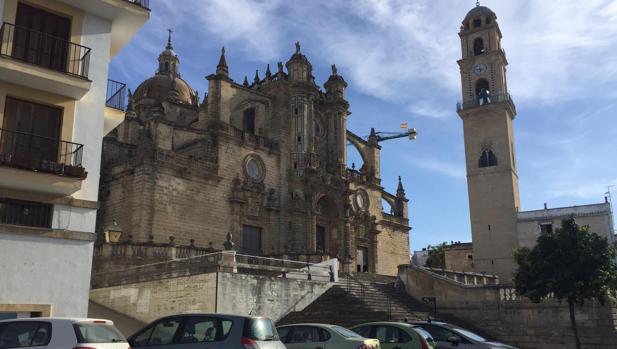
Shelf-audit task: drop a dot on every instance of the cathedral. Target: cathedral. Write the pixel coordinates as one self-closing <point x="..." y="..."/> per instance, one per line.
<point x="264" y="161"/>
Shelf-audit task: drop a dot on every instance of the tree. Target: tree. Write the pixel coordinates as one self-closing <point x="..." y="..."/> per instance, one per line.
<point x="571" y="264"/>
<point x="436" y="256"/>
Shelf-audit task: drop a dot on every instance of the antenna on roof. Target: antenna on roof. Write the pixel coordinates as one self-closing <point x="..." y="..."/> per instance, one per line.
<point x="608" y="193"/>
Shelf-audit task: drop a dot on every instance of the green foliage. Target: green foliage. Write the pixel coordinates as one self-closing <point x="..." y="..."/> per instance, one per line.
<point x="436" y="256"/>
<point x="570" y="263"/>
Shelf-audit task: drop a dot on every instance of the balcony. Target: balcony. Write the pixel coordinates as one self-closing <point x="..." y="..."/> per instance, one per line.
<point x="43" y="164"/>
<point x="126" y="16"/>
<point x="481" y="101"/>
<point x="44" y="62"/>
<point x="115" y="105"/>
<point x="141" y="3"/>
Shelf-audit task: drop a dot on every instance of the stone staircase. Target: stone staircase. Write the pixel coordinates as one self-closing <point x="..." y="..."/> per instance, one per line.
<point x="358" y="299"/>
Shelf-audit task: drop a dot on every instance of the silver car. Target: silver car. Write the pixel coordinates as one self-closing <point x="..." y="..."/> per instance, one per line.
<point x="208" y="331"/>
<point x="450" y="336"/>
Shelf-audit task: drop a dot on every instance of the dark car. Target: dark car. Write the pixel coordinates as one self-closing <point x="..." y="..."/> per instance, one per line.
<point x="449" y="336"/>
<point x="212" y="331"/>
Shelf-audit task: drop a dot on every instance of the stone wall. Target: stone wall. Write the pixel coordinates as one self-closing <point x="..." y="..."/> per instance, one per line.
<point x="273" y="297"/>
<point x="505" y="317"/>
<point x="263" y="295"/>
<point x="147" y="301"/>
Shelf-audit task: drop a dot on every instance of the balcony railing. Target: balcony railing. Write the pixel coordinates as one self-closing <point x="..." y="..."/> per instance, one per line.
<point x="141" y="3"/>
<point x="44" y="50"/>
<point x="42" y="154"/>
<point x="494" y="98"/>
<point x="116" y="95"/>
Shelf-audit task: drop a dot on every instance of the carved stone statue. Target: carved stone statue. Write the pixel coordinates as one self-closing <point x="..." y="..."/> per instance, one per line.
<point x="228" y="245"/>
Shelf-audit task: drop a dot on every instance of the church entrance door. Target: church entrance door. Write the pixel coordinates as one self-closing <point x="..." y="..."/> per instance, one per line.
<point x="362" y="260"/>
<point x="251" y="240"/>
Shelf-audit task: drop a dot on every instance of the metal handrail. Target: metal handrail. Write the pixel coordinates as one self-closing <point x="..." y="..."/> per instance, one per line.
<point x="44" y="50"/>
<point x="116" y="94"/>
<point x="352" y="278"/>
<point x="141" y="3"/>
<point x="40" y="153"/>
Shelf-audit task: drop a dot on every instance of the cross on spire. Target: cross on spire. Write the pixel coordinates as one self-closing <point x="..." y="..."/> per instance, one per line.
<point x="477" y="3"/>
<point x="169" y="39"/>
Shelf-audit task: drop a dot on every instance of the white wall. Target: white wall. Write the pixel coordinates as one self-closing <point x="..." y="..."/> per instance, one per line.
<point x="37" y="270"/>
<point x="89" y="120"/>
<point x="74" y="218"/>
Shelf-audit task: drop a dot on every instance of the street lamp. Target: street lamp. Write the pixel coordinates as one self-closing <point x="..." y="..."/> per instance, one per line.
<point x="113" y="233"/>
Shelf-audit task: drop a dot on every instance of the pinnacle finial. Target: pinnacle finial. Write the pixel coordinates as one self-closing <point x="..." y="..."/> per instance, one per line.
<point x="478" y="3"/>
<point x="246" y="81"/>
<point x="256" y="80"/>
<point x="400" y="192"/>
<point x="169" y="39"/>
<point x="222" y="68"/>
<point x="297" y="46"/>
<point x="334" y="70"/>
<point x="268" y="73"/>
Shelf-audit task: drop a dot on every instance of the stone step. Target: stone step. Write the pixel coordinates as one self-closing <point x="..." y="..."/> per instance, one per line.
<point x="363" y="299"/>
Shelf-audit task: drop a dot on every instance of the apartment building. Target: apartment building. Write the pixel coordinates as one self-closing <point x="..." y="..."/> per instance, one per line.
<point x="56" y="104"/>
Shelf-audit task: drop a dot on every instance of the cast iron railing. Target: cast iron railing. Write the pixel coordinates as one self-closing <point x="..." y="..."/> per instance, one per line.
<point x="116" y="94"/>
<point x="38" y="48"/>
<point x="42" y="154"/>
<point x="141" y="3"/>
<point x="478" y="101"/>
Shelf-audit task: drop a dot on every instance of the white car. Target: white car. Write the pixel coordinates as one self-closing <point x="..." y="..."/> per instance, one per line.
<point x="60" y="333"/>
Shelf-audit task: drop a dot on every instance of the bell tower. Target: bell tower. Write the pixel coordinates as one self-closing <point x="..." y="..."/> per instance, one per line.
<point x="487" y="111"/>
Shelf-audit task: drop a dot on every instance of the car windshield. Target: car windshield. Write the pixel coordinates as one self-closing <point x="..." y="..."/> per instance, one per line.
<point x="468" y="334"/>
<point x="97" y="333"/>
<point x="345" y="332"/>
<point x="260" y="329"/>
<point x="424" y="334"/>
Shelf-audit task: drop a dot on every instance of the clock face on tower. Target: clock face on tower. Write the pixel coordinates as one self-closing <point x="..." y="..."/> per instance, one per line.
<point x="479" y="69"/>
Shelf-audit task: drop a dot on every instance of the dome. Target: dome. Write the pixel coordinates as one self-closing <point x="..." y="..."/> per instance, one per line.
<point x="158" y="87"/>
<point x="167" y="83"/>
<point x="479" y="11"/>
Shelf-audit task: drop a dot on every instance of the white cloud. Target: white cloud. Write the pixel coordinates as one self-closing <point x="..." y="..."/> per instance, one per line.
<point x="431" y="110"/>
<point x="439" y="167"/>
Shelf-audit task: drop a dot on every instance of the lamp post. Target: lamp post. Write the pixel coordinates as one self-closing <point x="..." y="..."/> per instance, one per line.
<point x="433" y="301"/>
<point x="113" y="233"/>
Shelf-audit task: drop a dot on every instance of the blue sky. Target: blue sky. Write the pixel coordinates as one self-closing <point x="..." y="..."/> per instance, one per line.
<point x="399" y="59"/>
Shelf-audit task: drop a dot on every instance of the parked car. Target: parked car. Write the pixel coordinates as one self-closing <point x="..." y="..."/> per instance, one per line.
<point x="427" y="337"/>
<point x="60" y="333"/>
<point x="312" y="336"/>
<point x="211" y="331"/>
<point x="447" y="336"/>
<point x="393" y="335"/>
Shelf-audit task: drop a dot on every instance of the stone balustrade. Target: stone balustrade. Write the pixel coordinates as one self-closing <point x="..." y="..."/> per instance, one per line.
<point x="466" y="278"/>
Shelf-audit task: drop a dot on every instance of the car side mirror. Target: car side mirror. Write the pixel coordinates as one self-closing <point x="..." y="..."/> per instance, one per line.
<point x="454" y="340"/>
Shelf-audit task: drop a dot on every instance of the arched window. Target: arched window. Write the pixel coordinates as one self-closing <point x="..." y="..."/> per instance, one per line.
<point x="478" y="46"/>
<point x="249" y="120"/>
<point x="483" y="92"/>
<point x="487" y="159"/>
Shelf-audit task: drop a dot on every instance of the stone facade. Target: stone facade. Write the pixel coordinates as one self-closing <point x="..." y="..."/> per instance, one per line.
<point x="459" y="256"/>
<point x="498" y="311"/>
<point x="265" y="161"/>
<point x="498" y="226"/>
